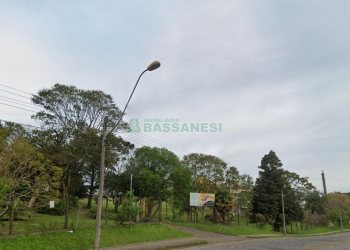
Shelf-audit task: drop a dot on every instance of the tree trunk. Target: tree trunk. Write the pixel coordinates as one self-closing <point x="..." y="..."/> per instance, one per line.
<point x="238" y="217"/>
<point x="33" y="198"/>
<point x="106" y="215"/>
<point x="91" y="189"/>
<point x="191" y="214"/>
<point x="166" y="210"/>
<point x="149" y="209"/>
<point x="203" y="214"/>
<point x="155" y="211"/>
<point x="214" y="214"/>
<point x="174" y="213"/>
<point x="5" y="210"/>
<point x="12" y="214"/>
<point x="142" y="209"/>
<point x="159" y="210"/>
<point x="66" y="187"/>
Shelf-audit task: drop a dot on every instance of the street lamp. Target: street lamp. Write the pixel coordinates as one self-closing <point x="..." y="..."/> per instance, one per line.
<point x="154" y="65"/>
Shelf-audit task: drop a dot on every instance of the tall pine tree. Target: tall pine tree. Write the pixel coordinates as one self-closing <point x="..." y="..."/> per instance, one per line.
<point x="268" y="187"/>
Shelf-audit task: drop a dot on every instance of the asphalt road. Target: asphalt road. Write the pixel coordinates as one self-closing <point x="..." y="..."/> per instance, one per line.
<point x="339" y="241"/>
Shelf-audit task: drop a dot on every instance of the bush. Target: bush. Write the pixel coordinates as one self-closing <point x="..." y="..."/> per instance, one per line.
<point x="260" y="220"/>
<point x="128" y="209"/>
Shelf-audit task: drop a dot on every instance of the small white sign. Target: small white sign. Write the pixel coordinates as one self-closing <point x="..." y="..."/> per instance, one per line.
<point x="52" y="204"/>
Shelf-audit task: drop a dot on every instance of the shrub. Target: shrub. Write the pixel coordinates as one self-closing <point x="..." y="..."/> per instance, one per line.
<point x="260" y="220"/>
<point x="128" y="209"/>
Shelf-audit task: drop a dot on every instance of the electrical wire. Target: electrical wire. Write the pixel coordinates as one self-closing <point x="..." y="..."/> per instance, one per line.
<point x="157" y="142"/>
<point x="13" y="106"/>
<point x="12" y="93"/>
<point x="22" y="124"/>
<point x="162" y="142"/>
<point x="4" y="85"/>
<point x="148" y="142"/>
<point x="25" y="105"/>
<point x="140" y="138"/>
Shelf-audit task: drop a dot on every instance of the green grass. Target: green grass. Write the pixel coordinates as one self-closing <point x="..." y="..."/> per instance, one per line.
<point x="42" y="223"/>
<point x="251" y="229"/>
<point x="314" y="230"/>
<point x="83" y="239"/>
<point x="37" y="223"/>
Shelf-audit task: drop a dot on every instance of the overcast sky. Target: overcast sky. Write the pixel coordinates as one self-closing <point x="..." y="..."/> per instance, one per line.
<point x="274" y="73"/>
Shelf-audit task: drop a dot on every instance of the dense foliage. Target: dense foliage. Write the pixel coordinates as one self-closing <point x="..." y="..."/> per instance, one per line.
<point x="60" y="162"/>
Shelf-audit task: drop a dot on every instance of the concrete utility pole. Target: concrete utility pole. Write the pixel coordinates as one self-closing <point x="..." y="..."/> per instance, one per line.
<point x="101" y="187"/>
<point x="341" y="221"/>
<point x="131" y="183"/>
<point x="324" y="184"/>
<point x="283" y="215"/>
<point x="154" y="65"/>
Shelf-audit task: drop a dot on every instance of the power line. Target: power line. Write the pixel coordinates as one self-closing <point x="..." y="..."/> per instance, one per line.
<point x="13" y="106"/>
<point x="150" y="143"/>
<point x="28" y="103"/>
<point x="147" y="142"/>
<point x="22" y="124"/>
<point x="141" y="138"/>
<point x="15" y="89"/>
<point x="16" y="102"/>
<point x="159" y="142"/>
<point x="155" y="139"/>
<point x="15" y="94"/>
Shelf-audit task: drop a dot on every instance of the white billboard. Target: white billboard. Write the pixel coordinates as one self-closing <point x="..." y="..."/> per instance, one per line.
<point x="202" y="200"/>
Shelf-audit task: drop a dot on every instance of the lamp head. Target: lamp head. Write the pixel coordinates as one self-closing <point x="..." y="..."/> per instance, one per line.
<point x="154" y="65"/>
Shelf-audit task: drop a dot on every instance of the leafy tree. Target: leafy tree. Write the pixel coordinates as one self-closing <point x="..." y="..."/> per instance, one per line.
<point x="240" y="188"/>
<point x="88" y="144"/>
<point x="68" y="109"/>
<point x="70" y="113"/>
<point x="300" y="185"/>
<point x="335" y="202"/>
<point x="232" y="178"/>
<point x="298" y="190"/>
<point x="180" y="188"/>
<point x="314" y="202"/>
<point x="116" y="184"/>
<point x="26" y="174"/>
<point x="151" y="170"/>
<point x="223" y="204"/>
<point x="208" y="172"/>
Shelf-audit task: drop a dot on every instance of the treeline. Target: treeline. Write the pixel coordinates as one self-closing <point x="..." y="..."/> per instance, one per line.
<point x="60" y="159"/>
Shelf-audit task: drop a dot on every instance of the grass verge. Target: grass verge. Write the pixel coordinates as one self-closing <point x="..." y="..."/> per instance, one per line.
<point x="83" y="239"/>
<point x="251" y="229"/>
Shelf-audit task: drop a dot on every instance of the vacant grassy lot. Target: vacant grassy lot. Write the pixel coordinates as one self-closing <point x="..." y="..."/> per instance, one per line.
<point x="41" y="231"/>
<point x="83" y="239"/>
